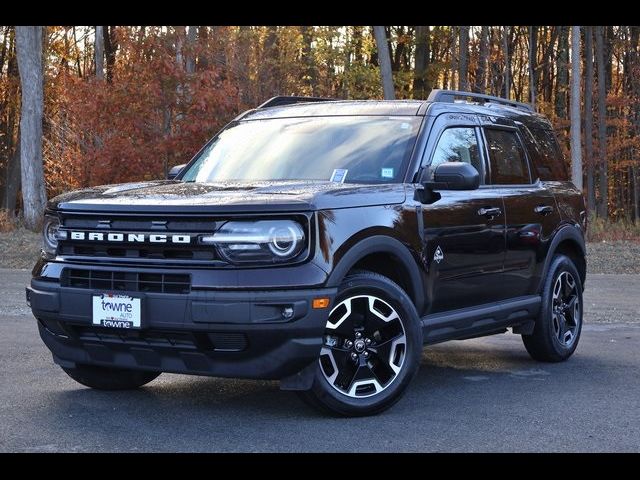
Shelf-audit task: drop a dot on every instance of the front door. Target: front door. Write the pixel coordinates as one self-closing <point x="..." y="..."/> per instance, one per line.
<point x="464" y="231"/>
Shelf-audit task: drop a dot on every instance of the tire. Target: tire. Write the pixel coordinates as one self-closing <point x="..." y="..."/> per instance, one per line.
<point x="104" y="378"/>
<point x="380" y="321"/>
<point x="557" y="329"/>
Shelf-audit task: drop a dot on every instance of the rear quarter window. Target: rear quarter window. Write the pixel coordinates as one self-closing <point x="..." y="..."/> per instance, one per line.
<point x="547" y="157"/>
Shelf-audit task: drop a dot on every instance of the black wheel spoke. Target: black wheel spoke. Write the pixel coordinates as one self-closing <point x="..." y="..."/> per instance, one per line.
<point x="570" y="310"/>
<point x="565" y="309"/>
<point x="365" y="346"/>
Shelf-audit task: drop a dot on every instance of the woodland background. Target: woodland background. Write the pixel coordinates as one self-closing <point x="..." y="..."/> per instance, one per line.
<point x="89" y="105"/>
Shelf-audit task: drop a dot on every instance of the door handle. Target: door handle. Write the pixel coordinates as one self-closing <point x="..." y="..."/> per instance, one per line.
<point x="489" y="212"/>
<point x="543" y="209"/>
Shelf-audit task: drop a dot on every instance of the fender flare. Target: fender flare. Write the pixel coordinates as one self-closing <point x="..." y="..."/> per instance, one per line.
<point x="568" y="232"/>
<point x="382" y="244"/>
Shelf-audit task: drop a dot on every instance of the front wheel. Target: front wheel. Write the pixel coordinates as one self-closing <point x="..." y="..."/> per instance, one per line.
<point x="371" y="349"/>
<point x="558" y="327"/>
<point x="104" y="378"/>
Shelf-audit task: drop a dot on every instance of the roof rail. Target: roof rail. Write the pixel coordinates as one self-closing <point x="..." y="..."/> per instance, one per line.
<point x="449" y="96"/>
<point x="289" y="100"/>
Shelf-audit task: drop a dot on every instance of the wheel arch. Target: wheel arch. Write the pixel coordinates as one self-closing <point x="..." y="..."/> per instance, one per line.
<point x="386" y="256"/>
<point x="568" y="241"/>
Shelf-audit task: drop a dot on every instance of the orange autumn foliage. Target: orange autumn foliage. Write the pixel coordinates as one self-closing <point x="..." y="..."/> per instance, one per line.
<point x="153" y="115"/>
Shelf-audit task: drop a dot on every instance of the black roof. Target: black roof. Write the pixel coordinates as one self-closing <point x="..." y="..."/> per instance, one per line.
<point x="339" y="107"/>
<point x="440" y="101"/>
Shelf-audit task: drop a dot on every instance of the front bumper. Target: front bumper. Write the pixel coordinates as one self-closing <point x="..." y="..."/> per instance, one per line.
<point x="239" y="334"/>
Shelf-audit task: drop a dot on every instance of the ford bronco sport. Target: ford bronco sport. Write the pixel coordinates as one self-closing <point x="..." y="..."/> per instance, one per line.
<point x="321" y="243"/>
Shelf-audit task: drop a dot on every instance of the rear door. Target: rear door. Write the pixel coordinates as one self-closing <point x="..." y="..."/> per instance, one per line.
<point x="464" y="231"/>
<point x="531" y="213"/>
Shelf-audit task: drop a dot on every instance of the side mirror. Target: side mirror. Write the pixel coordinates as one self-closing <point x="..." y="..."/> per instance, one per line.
<point x="175" y="171"/>
<point x="455" y="176"/>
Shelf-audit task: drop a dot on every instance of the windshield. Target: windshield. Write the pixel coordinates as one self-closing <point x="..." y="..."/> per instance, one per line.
<point x="358" y="149"/>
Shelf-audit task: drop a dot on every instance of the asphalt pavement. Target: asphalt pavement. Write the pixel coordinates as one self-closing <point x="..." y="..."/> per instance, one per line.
<point x="476" y="395"/>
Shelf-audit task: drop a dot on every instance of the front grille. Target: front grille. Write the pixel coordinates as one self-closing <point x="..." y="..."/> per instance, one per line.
<point x="136" y="252"/>
<point x="204" y="341"/>
<point x="126" y="281"/>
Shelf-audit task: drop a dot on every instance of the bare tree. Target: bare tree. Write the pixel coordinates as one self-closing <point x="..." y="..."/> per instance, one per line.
<point x="110" y="49"/>
<point x="588" y="118"/>
<point x="463" y="64"/>
<point x="507" y="61"/>
<point x="562" y="62"/>
<point x="190" y="66"/>
<point x="533" y="64"/>
<point x="310" y="74"/>
<point x="29" y="51"/>
<point x="421" y="86"/>
<point x="483" y="56"/>
<point x="384" y="61"/>
<point x="99" y="52"/>
<point x="603" y="209"/>
<point x="576" y="147"/>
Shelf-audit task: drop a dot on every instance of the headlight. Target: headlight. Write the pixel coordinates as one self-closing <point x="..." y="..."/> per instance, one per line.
<point x="50" y="233"/>
<point x="264" y="241"/>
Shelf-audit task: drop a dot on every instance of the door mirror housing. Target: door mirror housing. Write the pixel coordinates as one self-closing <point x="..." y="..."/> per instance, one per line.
<point x="175" y="171"/>
<point x="454" y="176"/>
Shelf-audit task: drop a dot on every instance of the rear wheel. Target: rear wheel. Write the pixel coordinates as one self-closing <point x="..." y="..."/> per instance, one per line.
<point x="558" y="327"/>
<point x="105" y="378"/>
<point x="372" y="348"/>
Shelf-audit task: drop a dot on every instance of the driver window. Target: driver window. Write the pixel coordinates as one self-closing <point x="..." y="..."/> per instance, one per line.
<point x="457" y="144"/>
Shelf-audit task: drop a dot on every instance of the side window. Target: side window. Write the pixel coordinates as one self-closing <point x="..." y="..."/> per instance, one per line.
<point x="507" y="158"/>
<point x="457" y="144"/>
<point x="551" y="164"/>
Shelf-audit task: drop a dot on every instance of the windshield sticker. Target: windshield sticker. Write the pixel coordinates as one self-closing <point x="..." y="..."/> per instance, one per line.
<point x="405" y="126"/>
<point x="386" y="173"/>
<point x="338" y="175"/>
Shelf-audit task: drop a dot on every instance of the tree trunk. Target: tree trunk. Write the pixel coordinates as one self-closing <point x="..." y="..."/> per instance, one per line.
<point x="269" y="65"/>
<point x="310" y="74"/>
<point x="533" y="64"/>
<point x="548" y="59"/>
<point x="13" y="180"/>
<point x="562" y="82"/>
<point x="588" y="118"/>
<point x="110" y="48"/>
<point x="603" y="209"/>
<point x="507" y="61"/>
<point x="203" y="36"/>
<point x="421" y="87"/>
<point x="384" y="61"/>
<point x="34" y="197"/>
<point x="576" y="147"/>
<point x="480" y="85"/>
<point x="463" y="64"/>
<point x="190" y="66"/>
<point x="99" y="52"/>
<point x="635" y="94"/>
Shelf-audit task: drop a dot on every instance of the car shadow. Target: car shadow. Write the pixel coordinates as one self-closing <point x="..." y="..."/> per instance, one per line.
<point x="441" y="366"/>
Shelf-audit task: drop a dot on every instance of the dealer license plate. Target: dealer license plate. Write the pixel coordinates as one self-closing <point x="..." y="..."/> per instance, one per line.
<point x="116" y="311"/>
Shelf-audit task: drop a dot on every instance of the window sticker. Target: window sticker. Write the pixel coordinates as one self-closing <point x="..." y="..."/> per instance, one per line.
<point x="386" y="173"/>
<point x="339" y="175"/>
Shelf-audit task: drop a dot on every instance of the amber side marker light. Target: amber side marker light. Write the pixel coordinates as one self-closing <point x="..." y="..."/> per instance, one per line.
<point x="322" y="302"/>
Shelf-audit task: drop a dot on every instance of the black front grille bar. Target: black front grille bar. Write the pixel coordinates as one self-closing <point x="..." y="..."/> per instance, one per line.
<point x="126" y="281"/>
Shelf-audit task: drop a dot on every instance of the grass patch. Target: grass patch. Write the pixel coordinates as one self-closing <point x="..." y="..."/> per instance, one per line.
<point x="604" y="230"/>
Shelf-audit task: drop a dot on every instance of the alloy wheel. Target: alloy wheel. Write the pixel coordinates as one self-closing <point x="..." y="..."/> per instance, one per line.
<point x="565" y="309"/>
<point x="364" y="346"/>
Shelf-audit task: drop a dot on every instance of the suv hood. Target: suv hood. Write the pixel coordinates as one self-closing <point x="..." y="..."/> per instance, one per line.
<point x="176" y="196"/>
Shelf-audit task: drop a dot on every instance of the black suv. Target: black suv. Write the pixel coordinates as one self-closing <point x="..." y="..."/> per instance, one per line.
<point x="321" y="243"/>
